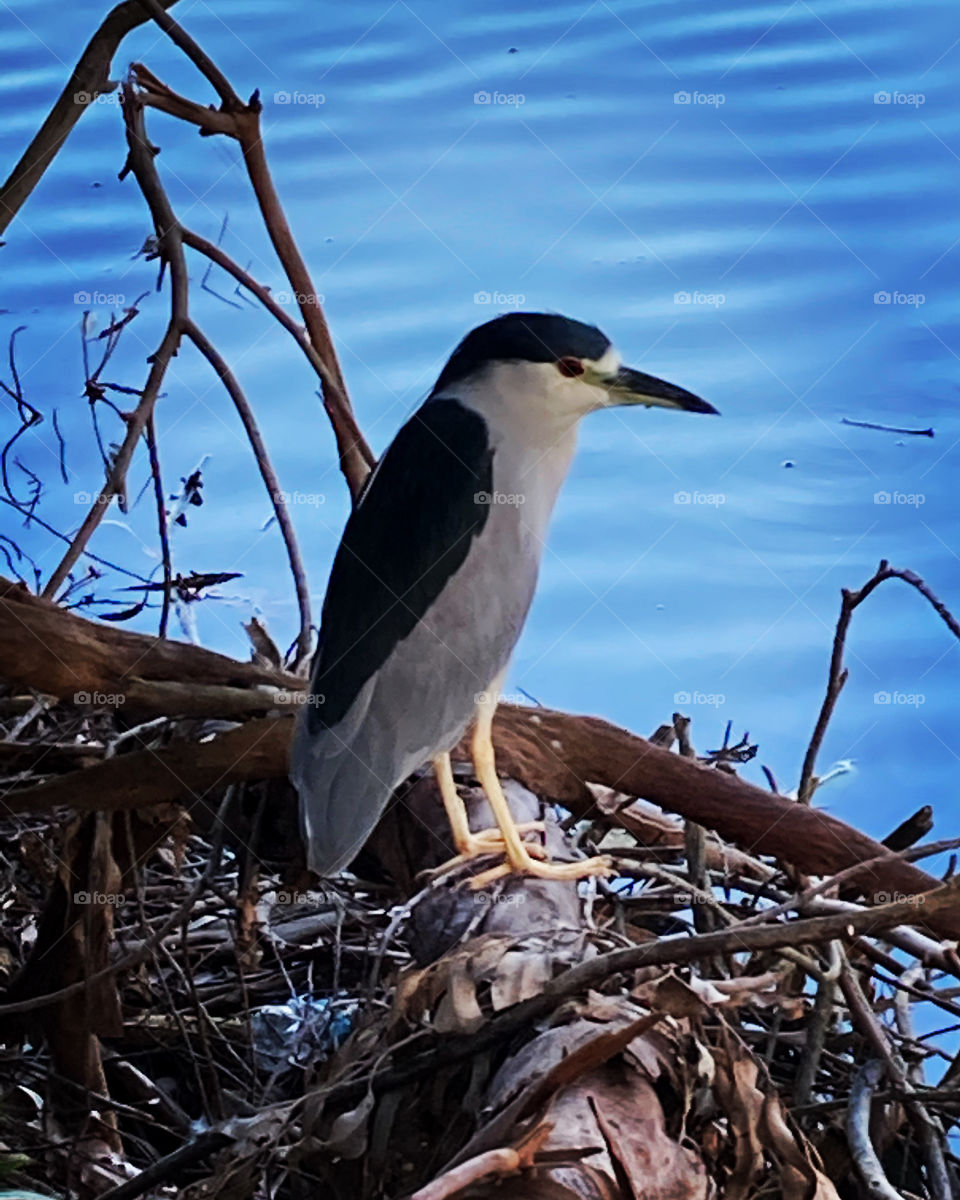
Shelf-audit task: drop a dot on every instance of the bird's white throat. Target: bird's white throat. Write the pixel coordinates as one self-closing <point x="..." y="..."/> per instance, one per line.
<point x="532" y="413"/>
<point x="530" y="403"/>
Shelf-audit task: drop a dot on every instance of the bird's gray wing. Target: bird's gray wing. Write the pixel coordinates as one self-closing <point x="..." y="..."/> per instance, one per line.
<point x="410" y="532"/>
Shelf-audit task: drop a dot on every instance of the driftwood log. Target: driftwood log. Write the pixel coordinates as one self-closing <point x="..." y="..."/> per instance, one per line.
<point x="57" y="653"/>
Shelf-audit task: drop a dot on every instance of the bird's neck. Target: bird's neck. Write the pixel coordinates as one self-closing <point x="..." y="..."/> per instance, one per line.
<point x="533" y="444"/>
<point x="534" y="472"/>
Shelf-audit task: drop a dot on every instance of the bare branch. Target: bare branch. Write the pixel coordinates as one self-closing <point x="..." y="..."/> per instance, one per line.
<point x="865" y="1084"/>
<point x="269" y="476"/>
<point x="837" y="675"/>
<point x="161" y="503"/>
<point x="350" y="431"/>
<point x="140" y="161"/>
<point x="90" y="78"/>
<point x="243" y="123"/>
<point x="228" y="97"/>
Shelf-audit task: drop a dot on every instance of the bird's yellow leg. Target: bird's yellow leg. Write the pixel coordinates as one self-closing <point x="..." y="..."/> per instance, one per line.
<point x="456" y="813"/>
<point x="468" y="844"/>
<point x="518" y="853"/>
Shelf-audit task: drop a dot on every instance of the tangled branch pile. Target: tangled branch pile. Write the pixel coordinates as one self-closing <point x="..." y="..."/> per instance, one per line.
<point x="714" y="1015"/>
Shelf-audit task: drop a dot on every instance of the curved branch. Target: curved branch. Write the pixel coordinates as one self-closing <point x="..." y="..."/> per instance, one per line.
<point x="269" y="477"/>
<point x="197" y="56"/>
<point x="171" y="241"/>
<point x="837" y="675"/>
<point x="140" y="161"/>
<point x="162" y="528"/>
<point x="350" y="441"/>
<point x="242" y="122"/>
<point x="90" y="78"/>
<point x="217" y="255"/>
<point x="865" y="1083"/>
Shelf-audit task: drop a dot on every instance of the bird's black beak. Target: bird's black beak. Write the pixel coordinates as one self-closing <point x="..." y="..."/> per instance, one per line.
<point x="628" y="386"/>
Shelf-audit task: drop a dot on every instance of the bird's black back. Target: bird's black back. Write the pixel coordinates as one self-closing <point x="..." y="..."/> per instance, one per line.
<point x="409" y="533"/>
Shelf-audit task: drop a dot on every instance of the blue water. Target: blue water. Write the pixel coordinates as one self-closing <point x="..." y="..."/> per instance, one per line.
<point x="779" y="165"/>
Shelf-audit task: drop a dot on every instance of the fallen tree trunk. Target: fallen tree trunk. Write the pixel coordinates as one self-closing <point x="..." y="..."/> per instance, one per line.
<point x="557" y="754"/>
<point x="51" y="650"/>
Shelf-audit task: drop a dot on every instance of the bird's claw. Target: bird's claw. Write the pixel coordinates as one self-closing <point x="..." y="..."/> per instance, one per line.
<point x="486" y="842"/>
<point x="526" y="865"/>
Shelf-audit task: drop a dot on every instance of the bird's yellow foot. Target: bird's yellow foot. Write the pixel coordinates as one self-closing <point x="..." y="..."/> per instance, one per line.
<point x="524" y="864"/>
<point x="494" y="837"/>
<point x="488" y="841"/>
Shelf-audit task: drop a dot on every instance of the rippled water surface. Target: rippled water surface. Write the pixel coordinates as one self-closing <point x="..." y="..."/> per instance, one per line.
<point x="757" y="201"/>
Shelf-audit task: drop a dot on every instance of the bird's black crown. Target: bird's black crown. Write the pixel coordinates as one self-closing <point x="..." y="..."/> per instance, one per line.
<point x="522" y="337"/>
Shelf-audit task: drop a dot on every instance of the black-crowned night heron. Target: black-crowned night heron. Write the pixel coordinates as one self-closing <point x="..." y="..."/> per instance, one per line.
<point x="434" y="575"/>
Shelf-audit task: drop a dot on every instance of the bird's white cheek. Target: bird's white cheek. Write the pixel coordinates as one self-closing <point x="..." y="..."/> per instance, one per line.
<point x="596" y="398"/>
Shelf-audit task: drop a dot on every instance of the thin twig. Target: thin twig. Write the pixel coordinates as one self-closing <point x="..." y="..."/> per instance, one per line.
<point x="217" y="255"/>
<point x="242" y="122"/>
<point x="61" y="448"/>
<point x="29" y="416"/>
<point x="865" y="1083"/>
<point x="815" y="1033"/>
<point x="886" y="428"/>
<point x="837" y="676"/>
<point x="929" y="1135"/>
<point x="90" y="78"/>
<point x="106" y="562"/>
<point x="269" y="477"/>
<point x="160" y="499"/>
<point x="140" y="162"/>
<point x="800" y="900"/>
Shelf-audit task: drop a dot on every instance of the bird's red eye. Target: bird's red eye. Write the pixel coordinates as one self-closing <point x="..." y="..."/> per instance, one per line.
<point x="570" y="367"/>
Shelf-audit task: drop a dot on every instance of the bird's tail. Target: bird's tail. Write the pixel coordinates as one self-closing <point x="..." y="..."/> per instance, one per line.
<point x="341" y="797"/>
